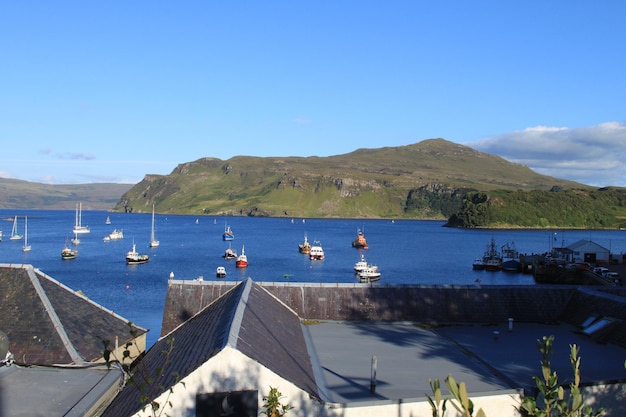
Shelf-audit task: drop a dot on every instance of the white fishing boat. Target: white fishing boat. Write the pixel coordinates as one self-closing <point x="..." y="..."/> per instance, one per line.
<point x="14" y="234"/>
<point x="369" y="274"/>
<point x="220" y="272"/>
<point x="317" y="252"/>
<point x="133" y="257"/>
<point x="153" y="241"/>
<point x="26" y="247"/>
<point x="361" y="264"/>
<point x="78" y="226"/>
<point x="114" y="235"/>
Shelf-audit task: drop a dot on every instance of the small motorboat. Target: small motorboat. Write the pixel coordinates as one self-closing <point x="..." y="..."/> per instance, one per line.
<point x="478" y="264"/>
<point x="68" y="253"/>
<point x="361" y="264"/>
<point x="114" y="235"/>
<point x="317" y="252"/>
<point x="369" y="274"/>
<point x="229" y="254"/>
<point x="220" y="272"/>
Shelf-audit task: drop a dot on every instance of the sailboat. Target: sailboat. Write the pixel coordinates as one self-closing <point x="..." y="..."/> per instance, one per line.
<point x="14" y="234"/>
<point x="153" y="242"/>
<point x="78" y="227"/>
<point x="108" y="220"/>
<point x="75" y="240"/>
<point x="26" y="247"/>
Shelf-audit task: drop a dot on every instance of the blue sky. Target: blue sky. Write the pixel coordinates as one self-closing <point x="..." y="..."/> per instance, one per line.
<point x="95" y="91"/>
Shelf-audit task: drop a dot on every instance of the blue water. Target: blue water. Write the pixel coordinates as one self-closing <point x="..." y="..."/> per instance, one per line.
<point x="407" y="252"/>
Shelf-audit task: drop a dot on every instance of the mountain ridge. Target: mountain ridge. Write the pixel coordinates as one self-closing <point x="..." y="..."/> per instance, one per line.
<point x="374" y="183"/>
<point x="33" y="195"/>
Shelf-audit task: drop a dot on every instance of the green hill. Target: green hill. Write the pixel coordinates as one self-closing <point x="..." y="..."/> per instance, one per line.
<point x="425" y="180"/>
<point x="33" y="195"/>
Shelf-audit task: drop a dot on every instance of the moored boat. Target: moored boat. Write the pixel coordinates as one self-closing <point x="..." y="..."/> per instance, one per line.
<point x="361" y="264"/>
<point x="317" y="252"/>
<point x="242" y="260"/>
<point x="492" y="258"/>
<point x="369" y="274"/>
<point x="68" y="253"/>
<point x="154" y="243"/>
<point x="230" y="254"/>
<point x="360" y="242"/>
<point x="478" y="264"/>
<point x="26" y="247"/>
<point x="228" y="234"/>
<point x="14" y="234"/>
<point x="305" y="246"/>
<point x="133" y="257"/>
<point x="510" y="258"/>
<point x="78" y="226"/>
<point x="114" y="235"/>
<point x="220" y="272"/>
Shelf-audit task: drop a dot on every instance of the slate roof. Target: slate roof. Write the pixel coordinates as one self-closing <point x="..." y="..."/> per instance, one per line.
<point x="246" y="318"/>
<point x="47" y="323"/>
<point x="587" y="245"/>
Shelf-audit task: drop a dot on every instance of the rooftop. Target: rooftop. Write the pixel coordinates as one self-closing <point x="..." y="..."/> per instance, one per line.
<point x="409" y="355"/>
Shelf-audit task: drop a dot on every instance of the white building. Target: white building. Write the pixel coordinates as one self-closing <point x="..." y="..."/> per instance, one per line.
<point x="588" y="251"/>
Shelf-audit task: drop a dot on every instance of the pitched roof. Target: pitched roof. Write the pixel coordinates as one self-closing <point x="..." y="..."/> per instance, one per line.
<point x="586" y="244"/>
<point x="47" y="323"/>
<point x="246" y="318"/>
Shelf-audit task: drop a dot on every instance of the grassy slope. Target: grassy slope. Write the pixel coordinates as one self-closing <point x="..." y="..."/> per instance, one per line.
<point x="364" y="183"/>
<point x="31" y="195"/>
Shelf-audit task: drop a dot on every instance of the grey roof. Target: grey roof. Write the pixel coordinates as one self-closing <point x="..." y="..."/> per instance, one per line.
<point x="56" y="391"/>
<point x="54" y="334"/>
<point x="330" y="356"/>
<point x="47" y="323"/>
<point x="248" y="319"/>
<point x="588" y="244"/>
<point x="409" y="355"/>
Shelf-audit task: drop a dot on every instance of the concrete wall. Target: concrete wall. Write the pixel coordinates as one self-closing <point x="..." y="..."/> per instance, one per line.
<point x="426" y="304"/>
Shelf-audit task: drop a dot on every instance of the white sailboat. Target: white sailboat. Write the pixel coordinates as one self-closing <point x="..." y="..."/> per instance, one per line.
<point x="14" y="234"/>
<point x="75" y="240"/>
<point x="26" y="247"/>
<point x="153" y="242"/>
<point x="78" y="226"/>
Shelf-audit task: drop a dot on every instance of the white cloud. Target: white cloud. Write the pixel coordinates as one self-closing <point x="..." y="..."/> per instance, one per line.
<point x="594" y="155"/>
<point x="77" y="156"/>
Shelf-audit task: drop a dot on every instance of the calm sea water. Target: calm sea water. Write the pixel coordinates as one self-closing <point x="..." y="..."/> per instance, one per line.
<point x="407" y="252"/>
